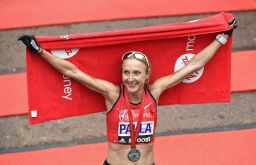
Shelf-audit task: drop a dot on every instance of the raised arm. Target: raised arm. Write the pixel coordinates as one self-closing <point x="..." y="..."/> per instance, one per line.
<point x="106" y="88"/>
<point x="197" y="62"/>
<point x="70" y="70"/>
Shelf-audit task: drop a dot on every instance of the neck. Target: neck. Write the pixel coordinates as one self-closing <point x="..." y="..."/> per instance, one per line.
<point x="135" y="98"/>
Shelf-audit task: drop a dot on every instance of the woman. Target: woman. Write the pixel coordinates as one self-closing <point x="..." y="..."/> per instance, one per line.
<point x="131" y="107"/>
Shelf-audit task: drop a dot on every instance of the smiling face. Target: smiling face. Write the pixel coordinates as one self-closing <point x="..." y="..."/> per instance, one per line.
<point x="134" y="75"/>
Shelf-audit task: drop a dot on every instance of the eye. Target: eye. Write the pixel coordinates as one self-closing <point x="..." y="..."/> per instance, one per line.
<point x="136" y="73"/>
<point x="125" y="72"/>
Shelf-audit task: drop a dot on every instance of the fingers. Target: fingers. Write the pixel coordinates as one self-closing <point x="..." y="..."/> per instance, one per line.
<point x="25" y="40"/>
<point x="30" y="42"/>
<point x="229" y="32"/>
<point x="232" y="26"/>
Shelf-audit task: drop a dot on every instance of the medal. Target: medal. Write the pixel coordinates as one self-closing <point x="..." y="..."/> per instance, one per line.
<point x="134" y="155"/>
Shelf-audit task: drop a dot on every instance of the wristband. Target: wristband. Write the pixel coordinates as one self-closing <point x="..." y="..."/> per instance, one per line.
<point x="221" y="39"/>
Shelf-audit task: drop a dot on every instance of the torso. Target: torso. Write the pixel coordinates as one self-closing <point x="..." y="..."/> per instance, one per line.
<point x="117" y="154"/>
<point x="118" y="131"/>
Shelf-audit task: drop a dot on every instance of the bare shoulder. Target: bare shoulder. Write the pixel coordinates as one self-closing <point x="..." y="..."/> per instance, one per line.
<point x="163" y="83"/>
<point x="112" y="96"/>
<point x="110" y="90"/>
<point x="155" y="92"/>
<point x="115" y="91"/>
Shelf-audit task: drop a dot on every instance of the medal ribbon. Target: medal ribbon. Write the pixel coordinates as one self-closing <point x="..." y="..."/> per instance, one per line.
<point x="134" y="133"/>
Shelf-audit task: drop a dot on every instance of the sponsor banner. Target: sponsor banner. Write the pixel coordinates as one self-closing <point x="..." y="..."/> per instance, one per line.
<point x="169" y="47"/>
<point x="140" y="139"/>
<point x="146" y="128"/>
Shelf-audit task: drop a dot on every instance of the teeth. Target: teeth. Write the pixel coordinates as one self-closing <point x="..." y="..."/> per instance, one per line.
<point x="131" y="84"/>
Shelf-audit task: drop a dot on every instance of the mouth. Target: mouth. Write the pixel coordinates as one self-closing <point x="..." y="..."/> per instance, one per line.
<point x="132" y="84"/>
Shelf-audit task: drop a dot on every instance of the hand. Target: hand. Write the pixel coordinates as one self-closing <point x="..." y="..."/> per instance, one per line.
<point x="232" y="26"/>
<point x="31" y="43"/>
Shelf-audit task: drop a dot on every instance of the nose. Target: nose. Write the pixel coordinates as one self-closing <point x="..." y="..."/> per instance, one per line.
<point x="130" y="78"/>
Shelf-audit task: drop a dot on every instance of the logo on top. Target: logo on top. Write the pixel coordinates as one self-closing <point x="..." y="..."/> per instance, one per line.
<point x="123" y="115"/>
<point x="66" y="53"/>
<point x="183" y="61"/>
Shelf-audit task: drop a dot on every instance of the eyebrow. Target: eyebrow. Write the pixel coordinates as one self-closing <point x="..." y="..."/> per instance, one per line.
<point x="123" y="70"/>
